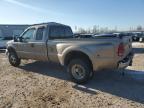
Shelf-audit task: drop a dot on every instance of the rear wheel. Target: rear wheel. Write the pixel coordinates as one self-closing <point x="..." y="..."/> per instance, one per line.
<point x="13" y="59"/>
<point x="79" y="70"/>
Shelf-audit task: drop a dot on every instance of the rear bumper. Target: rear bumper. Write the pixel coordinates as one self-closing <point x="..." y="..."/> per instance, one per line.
<point x="127" y="61"/>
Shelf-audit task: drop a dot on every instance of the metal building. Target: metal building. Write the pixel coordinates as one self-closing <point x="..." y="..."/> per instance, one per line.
<point x="11" y="30"/>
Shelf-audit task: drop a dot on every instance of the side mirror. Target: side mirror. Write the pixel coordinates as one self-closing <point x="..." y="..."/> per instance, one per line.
<point x="15" y="39"/>
<point x="18" y="39"/>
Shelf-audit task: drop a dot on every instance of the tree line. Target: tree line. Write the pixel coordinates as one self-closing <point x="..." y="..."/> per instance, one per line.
<point x="96" y="29"/>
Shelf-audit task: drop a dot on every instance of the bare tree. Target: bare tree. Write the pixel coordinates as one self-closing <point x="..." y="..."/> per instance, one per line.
<point x="96" y="29"/>
<point x="139" y="28"/>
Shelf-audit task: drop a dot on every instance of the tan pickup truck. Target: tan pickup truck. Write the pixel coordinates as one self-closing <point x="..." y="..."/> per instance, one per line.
<point x="81" y="56"/>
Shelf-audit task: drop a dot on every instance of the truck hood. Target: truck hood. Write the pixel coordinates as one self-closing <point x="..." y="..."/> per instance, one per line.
<point x="11" y="41"/>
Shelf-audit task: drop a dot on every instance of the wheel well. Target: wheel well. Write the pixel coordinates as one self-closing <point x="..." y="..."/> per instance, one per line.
<point x="10" y="49"/>
<point x="77" y="55"/>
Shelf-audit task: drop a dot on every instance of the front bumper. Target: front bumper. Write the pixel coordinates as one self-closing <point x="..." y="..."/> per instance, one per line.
<point x="6" y="52"/>
<point x="127" y="61"/>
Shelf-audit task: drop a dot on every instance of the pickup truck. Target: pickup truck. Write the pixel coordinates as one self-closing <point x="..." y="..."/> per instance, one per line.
<point x="81" y="57"/>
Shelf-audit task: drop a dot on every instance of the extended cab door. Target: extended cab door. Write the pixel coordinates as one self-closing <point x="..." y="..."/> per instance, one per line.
<point x="56" y="35"/>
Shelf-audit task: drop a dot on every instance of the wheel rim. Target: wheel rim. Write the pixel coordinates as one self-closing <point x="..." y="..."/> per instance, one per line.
<point x="13" y="59"/>
<point x="78" y="71"/>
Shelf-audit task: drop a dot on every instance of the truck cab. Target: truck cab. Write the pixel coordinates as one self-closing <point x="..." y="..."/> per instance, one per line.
<point x="32" y="43"/>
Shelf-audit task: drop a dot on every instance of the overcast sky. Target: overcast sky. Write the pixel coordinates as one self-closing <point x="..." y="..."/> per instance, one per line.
<point x="82" y="13"/>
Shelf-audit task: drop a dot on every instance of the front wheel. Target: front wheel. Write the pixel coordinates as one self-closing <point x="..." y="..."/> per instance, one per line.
<point x="13" y="59"/>
<point x="79" y="70"/>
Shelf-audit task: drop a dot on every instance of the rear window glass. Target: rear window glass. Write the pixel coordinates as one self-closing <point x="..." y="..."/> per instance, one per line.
<point x="57" y="32"/>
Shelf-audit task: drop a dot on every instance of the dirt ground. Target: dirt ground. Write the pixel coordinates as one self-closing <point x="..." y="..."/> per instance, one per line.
<point x="44" y="85"/>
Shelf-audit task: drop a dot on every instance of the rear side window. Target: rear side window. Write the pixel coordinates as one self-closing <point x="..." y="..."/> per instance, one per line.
<point x="40" y="33"/>
<point x="59" y="32"/>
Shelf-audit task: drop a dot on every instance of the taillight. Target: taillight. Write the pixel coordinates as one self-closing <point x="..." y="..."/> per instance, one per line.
<point x="121" y="50"/>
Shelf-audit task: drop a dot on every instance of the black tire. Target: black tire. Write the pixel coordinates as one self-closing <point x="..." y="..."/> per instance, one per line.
<point x="91" y="75"/>
<point x="138" y="39"/>
<point x="13" y="59"/>
<point x="79" y="70"/>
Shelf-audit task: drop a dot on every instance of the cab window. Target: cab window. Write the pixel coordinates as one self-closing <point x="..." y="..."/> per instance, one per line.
<point x="60" y="32"/>
<point x="28" y="35"/>
<point x="40" y="33"/>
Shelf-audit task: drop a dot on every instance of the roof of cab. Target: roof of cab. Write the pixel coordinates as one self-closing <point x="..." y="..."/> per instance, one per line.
<point x="49" y="24"/>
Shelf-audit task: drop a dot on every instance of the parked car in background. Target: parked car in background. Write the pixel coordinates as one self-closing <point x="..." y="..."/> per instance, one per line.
<point x="83" y="35"/>
<point x="3" y="41"/>
<point x="120" y="35"/>
<point x="137" y="36"/>
<point x="142" y="38"/>
<point x="7" y="31"/>
<point x="80" y="56"/>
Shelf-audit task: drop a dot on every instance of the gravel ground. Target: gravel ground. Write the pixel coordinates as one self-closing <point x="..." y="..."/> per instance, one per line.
<point x="44" y="85"/>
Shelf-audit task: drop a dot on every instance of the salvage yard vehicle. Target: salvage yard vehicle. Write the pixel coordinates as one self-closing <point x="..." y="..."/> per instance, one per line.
<point x="137" y="36"/>
<point x="3" y="41"/>
<point x="83" y="35"/>
<point x="55" y="42"/>
<point x="142" y="38"/>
